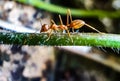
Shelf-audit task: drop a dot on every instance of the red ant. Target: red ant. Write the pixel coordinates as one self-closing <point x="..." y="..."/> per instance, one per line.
<point x="74" y="24"/>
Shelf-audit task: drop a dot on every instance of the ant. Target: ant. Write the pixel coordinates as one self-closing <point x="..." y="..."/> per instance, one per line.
<point x="55" y="27"/>
<point x="76" y="24"/>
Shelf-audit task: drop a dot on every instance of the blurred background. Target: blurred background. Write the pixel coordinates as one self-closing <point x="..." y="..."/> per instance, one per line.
<point x="63" y="63"/>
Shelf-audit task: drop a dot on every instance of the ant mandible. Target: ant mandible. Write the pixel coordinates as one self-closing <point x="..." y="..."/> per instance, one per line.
<point x="76" y="24"/>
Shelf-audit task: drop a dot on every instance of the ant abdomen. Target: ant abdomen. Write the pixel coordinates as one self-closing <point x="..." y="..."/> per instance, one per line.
<point x="76" y="24"/>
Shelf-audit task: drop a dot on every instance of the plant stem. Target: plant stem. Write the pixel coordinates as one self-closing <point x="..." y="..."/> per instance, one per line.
<point x="75" y="12"/>
<point x="79" y="39"/>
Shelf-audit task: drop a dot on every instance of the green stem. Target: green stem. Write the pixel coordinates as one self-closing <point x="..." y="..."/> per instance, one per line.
<point x="75" y="12"/>
<point x="79" y="39"/>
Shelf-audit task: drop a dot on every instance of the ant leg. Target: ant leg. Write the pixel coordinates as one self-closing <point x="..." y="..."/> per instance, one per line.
<point x="61" y="22"/>
<point x="67" y="23"/>
<point x="67" y="29"/>
<point x="92" y="28"/>
<point x="69" y="35"/>
<point x="49" y="35"/>
<point x="69" y="12"/>
<point x="52" y="21"/>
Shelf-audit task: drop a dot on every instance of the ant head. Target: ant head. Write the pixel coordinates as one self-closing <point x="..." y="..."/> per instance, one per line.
<point x="44" y="28"/>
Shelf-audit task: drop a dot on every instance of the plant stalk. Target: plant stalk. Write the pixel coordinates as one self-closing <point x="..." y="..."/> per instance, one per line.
<point x="79" y="39"/>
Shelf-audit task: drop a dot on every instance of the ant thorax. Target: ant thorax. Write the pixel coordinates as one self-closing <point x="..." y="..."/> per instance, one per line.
<point x="54" y="27"/>
<point x="62" y="27"/>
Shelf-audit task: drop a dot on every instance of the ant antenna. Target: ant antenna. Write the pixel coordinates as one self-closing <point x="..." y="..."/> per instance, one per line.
<point x="41" y="24"/>
<point x="40" y="21"/>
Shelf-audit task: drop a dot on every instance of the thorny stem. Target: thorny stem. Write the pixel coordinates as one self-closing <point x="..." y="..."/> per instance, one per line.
<point x="75" y="12"/>
<point x="79" y="39"/>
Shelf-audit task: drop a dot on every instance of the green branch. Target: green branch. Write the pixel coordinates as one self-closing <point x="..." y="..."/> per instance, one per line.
<point x="79" y="39"/>
<point x="75" y="12"/>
